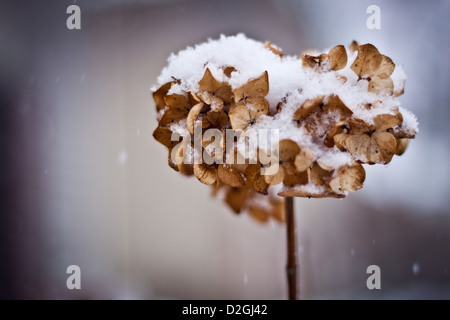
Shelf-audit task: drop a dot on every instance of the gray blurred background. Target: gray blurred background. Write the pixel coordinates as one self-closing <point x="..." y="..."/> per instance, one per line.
<point x="83" y="182"/>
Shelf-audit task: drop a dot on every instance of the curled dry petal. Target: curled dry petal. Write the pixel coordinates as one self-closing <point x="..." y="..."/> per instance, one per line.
<point x="318" y="175"/>
<point x="402" y="144"/>
<point x="348" y="179"/>
<point x="337" y="128"/>
<point x="205" y="173"/>
<point x="229" y="70"/>
<point x="336" y="59"/>
<point x="309" y="61"/>
<point x="339" y="140"/>
<point x="192" y="116"/>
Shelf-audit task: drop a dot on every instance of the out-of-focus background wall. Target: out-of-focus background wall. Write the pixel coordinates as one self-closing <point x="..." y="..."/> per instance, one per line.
<point x="83" y="182"/>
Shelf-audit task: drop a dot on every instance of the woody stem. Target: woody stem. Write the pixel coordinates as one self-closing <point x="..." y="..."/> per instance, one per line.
<point x="291" y="266"/>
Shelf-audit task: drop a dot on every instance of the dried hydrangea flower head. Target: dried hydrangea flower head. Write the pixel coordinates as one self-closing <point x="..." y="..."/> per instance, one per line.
<point x="332" y="111"/>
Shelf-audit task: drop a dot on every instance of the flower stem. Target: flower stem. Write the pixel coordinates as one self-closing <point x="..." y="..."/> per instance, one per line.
<point x="291" y="266"/>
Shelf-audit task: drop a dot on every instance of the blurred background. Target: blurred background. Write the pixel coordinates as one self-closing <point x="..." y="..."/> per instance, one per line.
<point x="83" y="182"/>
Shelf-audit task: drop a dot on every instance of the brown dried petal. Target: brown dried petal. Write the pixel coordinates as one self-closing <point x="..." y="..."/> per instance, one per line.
<point x="230" y="176"/>
<point x="348" y="179"/>
<point x="367" y="62"/>
<point x="177" y="102"/>
<point x="337" y="128"/>
<point x="216" y="119"/>
<point x="303" y="160"/>
<point x="402" y="144"/>
<point x="337" y="57"/>
<point x="317" y="175"/>
<point x="260" y="185"/>
<point x="236" y="198"/>
<point x="252" y="172"/>
<point x="257" y="107"/>
<point x="379" y="148"/>
<point x="239" y="117"/>
<point x="239" y="162"/>
<point x="277" y="211"/>
<point x="387" y="146"/>
<point x="307" y="108"/>
<point x="215" y="102"/>
<point x="192" y="116"/>
<point x="339" y="140"/>
<point x="297" y="178"/>
<point x="259" y="213"/>
<point x="159" y="95"/>
<point x="400" y="90"/>
<point x="334" y="103"/>
<point x="224" y="92"/>
<point x="385" y="121"/>
<point x="288" y="149"/>
<point x="360" y="146"/>
<point x="208" y="82"/>
<point x="228" y="70"/>
<point x="193" y="99"/>
<point x="163" y="136"/>
<point x="257" y="88"/>
<point x="172" y="116"/>
<point x="386" y="68"/>
<point x="205" y="173"/>
<point x="353" y="46"/>
<point x="275" y="178"/>
<point x="378" y="85"/>
<point x="358" y="126"/>
<point x="309" y="61"/>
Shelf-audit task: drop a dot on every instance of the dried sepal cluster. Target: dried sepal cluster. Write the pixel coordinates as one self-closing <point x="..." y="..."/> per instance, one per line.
<point x="219" y="107"/>
<point x="331" y="124"/>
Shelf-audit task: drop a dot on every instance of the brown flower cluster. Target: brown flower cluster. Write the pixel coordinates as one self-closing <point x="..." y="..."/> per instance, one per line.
<point x="326" y="118"/>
